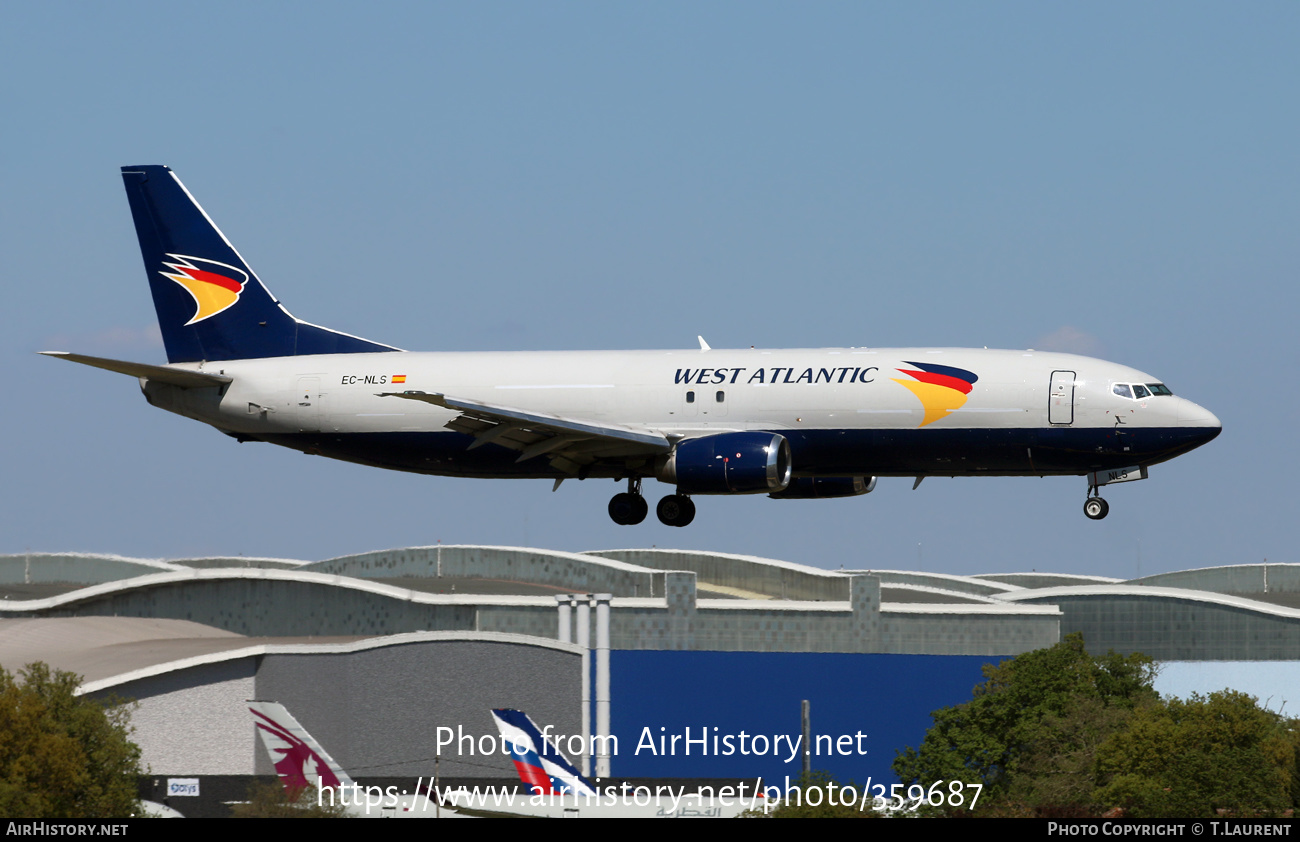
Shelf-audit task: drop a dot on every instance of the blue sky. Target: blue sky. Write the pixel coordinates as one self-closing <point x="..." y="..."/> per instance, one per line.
<point x="1109" y="178"/>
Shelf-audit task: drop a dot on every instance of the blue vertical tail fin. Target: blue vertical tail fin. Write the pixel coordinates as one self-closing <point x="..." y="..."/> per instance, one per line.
<point x="210" y="304"/>
<point x="541" y="767"/>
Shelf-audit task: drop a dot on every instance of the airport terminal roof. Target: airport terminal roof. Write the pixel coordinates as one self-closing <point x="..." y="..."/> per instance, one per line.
<point x="55" y="603"/>
<point x="99" y="648"/>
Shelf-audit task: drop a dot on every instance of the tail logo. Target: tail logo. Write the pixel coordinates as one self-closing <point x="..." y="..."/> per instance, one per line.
<point x="298" y="766"/>
<point x="213" y="290"/>
<point x="942" y="389"/>
<point x="541" y="767"/>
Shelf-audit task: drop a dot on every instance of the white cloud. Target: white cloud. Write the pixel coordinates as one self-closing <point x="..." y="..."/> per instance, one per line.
<point x="1070" y="340"/>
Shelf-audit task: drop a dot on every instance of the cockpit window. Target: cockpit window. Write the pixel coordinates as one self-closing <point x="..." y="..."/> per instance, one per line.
<point x="1138" y="391"/>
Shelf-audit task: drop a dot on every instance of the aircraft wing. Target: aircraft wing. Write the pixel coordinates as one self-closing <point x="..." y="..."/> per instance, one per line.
<point x="568" y="443"/>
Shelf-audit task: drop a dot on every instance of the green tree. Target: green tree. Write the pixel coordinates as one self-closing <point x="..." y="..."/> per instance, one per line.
<point x="1200" y="756"/>
<point x="1031" y="731"/>
<point x="271" y="800"/>
<point x="63" y="755"/>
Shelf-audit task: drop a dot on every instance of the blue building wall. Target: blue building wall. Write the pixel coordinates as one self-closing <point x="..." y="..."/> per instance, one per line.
<point x="888" y="698"/>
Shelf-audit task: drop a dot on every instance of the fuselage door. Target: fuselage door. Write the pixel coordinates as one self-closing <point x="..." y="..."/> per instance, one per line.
<point x="307" y="403"/>
<point x="1060" y="399"/>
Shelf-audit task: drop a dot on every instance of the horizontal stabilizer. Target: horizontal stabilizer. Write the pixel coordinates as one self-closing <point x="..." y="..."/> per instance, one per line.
<point x="181" y="377"/>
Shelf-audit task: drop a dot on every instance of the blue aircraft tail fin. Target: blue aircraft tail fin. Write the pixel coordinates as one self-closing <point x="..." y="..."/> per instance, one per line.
<point x="541" y="767"/>
<point x="211" y="306"/>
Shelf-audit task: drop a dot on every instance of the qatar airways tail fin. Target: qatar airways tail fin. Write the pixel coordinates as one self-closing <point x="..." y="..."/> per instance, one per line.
<point x="541" y="767"/>
<point x="303" y="765"/>
<point x="210" y="304"/>
<point x="298" y="759"/>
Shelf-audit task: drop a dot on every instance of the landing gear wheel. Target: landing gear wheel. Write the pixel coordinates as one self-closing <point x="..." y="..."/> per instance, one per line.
<point x="640" y="509"/>
<point x="628" y="509"/>
<point x="1096" y="508"/>
<point x="675" y="510"/>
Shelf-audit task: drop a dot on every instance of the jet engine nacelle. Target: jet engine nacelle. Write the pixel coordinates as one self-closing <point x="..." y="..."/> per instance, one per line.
<point x="729" y="463"/>
<point x="809" y="488"/>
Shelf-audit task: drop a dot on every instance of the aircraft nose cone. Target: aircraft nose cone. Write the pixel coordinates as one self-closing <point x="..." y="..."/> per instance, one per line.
<point x="1192" y="415"/>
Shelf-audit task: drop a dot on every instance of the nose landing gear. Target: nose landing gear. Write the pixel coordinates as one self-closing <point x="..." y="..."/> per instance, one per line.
<point x="1096" y="508"/>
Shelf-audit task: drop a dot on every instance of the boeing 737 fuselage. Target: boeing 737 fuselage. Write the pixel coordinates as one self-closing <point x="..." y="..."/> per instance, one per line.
<point x="787" y="423"/>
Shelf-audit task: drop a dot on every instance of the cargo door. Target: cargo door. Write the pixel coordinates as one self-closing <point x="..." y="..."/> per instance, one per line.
<point x="308" y="402"/>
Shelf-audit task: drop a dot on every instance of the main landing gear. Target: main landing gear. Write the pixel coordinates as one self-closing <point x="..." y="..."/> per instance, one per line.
<point x="630" y="508"/>
<point x="675" y="510"/>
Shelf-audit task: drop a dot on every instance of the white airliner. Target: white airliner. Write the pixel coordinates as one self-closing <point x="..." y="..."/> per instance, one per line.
<point x="787" y="423"/>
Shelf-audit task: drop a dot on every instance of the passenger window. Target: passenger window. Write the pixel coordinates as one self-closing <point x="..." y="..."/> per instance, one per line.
<point x="1123" y="390"/>
<point x="721" y="396"/>
<point x="690" y="396"/>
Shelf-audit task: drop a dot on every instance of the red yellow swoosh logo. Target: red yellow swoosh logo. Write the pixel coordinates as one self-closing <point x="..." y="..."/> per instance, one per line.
<point x="942" y="389"/>
<point x="214" y="286"/>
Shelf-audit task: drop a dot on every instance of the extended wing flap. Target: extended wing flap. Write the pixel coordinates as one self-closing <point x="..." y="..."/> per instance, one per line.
<point x="181" y="377"/>
<point x="565" y="441"/>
